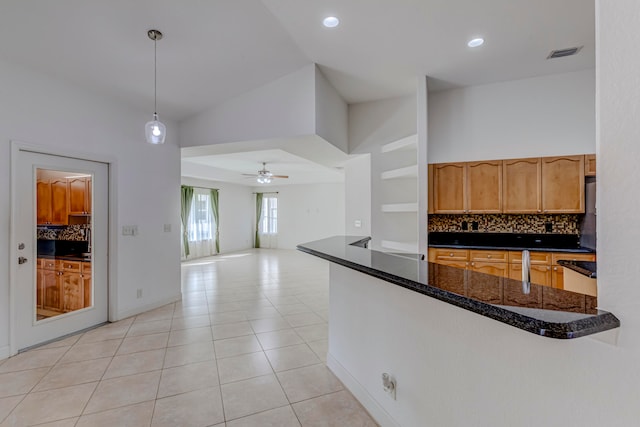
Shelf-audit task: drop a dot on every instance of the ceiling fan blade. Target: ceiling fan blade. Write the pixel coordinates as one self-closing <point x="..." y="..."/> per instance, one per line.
<point x="249" y="174"/>
<point x="279" y="176"/>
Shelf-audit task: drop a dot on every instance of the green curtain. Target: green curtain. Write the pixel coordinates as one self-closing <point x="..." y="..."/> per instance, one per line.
<point x="216" y="216"/>
<point x="186" y="196"/>
<point x="258" y="218"/>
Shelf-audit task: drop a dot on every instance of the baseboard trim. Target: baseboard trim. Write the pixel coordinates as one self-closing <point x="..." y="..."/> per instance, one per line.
<point x="378" y="413"/>
<point x="5" y="352"/>
<point x="138" y="310"/>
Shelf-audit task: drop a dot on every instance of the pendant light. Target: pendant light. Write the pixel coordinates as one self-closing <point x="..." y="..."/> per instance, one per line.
<point x="155" y="131"/>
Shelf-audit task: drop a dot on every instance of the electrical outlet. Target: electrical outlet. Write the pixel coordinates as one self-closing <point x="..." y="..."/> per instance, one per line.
<point x="474" y="225"/>
<point x="464" y="225"/>
<point x="139" y="293"/>
<point x="129" y="230"/>
<point x="548" y="227"/>
<point x="167" y="228"/>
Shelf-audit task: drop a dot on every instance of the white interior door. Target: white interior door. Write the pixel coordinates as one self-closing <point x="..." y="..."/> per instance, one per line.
<point x="61" y="233"/>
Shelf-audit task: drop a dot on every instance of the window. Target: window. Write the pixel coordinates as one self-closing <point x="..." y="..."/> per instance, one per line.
<point x="269" y="215"/>
<point x="201" y="222"/>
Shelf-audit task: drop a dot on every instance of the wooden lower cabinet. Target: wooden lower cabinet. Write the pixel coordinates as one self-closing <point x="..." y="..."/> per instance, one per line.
<point x="544" y="270"/>
<point x="63" y="286"/>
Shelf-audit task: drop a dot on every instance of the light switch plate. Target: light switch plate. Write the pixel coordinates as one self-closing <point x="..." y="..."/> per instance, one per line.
<point x="167" y="228"/>
<point x="129" y="230"/>
<point x="357" y="223"/>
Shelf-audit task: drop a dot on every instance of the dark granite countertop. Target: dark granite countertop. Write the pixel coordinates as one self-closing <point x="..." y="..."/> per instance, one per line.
<point x="67" y="257"/>
<point x="587" y="268"/>
<point x="508" y="241"/>
<point x="543" y="310"/>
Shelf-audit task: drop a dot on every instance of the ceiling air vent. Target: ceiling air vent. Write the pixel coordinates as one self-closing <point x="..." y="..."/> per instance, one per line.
<point x="560" y="53"/>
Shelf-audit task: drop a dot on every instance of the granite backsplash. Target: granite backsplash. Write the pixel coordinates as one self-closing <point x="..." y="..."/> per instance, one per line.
<point x="74" y="233"/>
<point x="503" y="223"/>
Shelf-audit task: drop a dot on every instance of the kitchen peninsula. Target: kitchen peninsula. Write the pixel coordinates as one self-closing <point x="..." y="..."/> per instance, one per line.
<point x="413" y="320"/>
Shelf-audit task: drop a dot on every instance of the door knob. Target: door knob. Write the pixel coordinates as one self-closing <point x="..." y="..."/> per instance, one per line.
<point x="21" y="246"/>
<point x="22" y="260"/>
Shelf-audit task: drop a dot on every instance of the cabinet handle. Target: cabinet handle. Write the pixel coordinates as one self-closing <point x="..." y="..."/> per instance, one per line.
<point x="488" y="256"/>
<point x="451" y="254"/>
<point x="555" y="268"/>
<point x="539" y="210"/>
<point x="472" y="264"/>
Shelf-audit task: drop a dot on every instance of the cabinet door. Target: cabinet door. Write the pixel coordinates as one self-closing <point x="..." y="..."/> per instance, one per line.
<point x="539" y="274"/>
<point x="557" y="277"/>
<point x="39" y="286"/>
<point x="73" y="291"/>
<point x="59" y="209"/>
<point x="563" y="184"/>
<point x="430" y="189"/>
<point x="51" y="285"/>
<point x="77" y="195"/>
<point x="521" y="186"/>
<point x="590" y="165"/>
<point x="484" y="187"/>
<point x="43" y="201"/>
<point x="87" y="195"/>
<point x="448" y="187"/>
<point x="493" y="268"/>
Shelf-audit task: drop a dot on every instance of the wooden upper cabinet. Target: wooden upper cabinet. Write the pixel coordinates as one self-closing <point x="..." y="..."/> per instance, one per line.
<point x="449" y="188"/>
<point x="484" y="187"/>
<point x="59" y="212"/>
<point x="43" y="203"/>
<point x="430" y="189"/>
<point x="521" y="186"/>
<point x="590" y="165"/>
<point x="79" y="195"/>
<point x="563" y="184"/>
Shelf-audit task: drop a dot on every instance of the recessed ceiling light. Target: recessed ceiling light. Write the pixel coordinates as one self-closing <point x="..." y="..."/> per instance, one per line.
<point x="475" y="42"/>
<point x="331" y="22"/>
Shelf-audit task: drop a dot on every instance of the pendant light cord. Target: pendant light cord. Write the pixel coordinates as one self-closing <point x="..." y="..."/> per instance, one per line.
<point x="155" y="75"/>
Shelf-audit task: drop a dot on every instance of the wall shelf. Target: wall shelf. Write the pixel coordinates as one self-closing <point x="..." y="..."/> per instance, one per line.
<point x="408" y="143"/>
<point x="400" y="207"/>
<point x="406" y="172"/>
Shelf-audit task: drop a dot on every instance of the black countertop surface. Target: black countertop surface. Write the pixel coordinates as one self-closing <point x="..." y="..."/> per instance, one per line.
<point x="542" y="310"/>
<point x="586" y="268"/>
<point x="508" y="241"/>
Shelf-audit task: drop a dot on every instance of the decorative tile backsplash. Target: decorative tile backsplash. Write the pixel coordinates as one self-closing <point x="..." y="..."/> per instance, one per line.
<point x="502" y="223"/>
<point x="74" y="233"/>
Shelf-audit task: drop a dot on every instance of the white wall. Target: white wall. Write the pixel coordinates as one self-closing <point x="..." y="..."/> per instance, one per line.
<point x="331" y="113"/>
<point x="308" y="212"/>
<point x="542" y="116"/>
<point x="282" y="108"/>
<point x="237" y="209"/>
<point x="37" y="109"/>
<point x="357" y="180"/>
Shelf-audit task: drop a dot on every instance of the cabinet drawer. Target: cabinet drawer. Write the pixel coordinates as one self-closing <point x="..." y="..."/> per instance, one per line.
<point x="571" y="257"/>
<point x="443" y="254"/>
<point x="539" y="274"/>
<point x="488" y="256"/>
<point x="50" y="264"/>
<point x="515" y="257"/>
<point x="71" y="266"/>
<point x="493" y="268"/>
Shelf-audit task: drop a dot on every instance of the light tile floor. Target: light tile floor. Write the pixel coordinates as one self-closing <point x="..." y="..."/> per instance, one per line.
<point x="245" y="347"/>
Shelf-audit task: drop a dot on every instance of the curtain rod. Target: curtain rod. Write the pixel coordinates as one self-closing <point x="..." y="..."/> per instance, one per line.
<point x="268" y="192"/>
<point x="203" y="188"/>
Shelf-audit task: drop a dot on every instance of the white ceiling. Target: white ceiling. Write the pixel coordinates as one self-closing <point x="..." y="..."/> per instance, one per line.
<point x="215" y="50"/>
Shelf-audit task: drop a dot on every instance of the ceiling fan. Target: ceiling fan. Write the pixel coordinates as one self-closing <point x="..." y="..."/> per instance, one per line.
<point x="264" y="176"/>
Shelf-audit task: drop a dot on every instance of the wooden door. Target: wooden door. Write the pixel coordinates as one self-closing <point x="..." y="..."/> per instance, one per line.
<point x="563" y="184"/>
<point x="521" y="186"/>
<point x="59" y="210"/>
<point x="88" y="194"/>
<point x="590" y="165"/>
<point x="77" y="195"/>
<point x="484" y="187"/>
<point x="39" y="285"/>
<point x="51" y="285"/>
<point x="539" y="274"/>
<point x="86" y="283"/>
<point x="493" y="268"/>
<point x="430" y="189"/>
<point x="72" y="291"/>
<point x="449" y="188"/>
<point x="43" y="204"/>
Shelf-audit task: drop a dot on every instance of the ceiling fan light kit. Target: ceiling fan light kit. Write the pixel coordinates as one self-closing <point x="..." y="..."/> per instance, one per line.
<point x="264" y="176"/>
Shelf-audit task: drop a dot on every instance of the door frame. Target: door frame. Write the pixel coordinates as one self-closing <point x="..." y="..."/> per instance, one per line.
<point x="16" y="148"/>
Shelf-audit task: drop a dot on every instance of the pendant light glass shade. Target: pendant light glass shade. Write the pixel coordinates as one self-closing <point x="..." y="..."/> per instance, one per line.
<point x="155" y="131"/>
